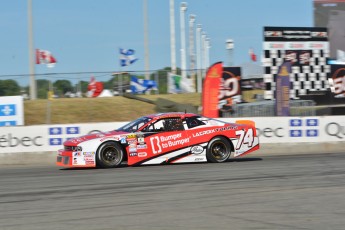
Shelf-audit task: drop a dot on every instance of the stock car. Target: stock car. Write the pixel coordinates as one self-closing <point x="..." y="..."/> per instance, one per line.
<point x="164" y="138"/>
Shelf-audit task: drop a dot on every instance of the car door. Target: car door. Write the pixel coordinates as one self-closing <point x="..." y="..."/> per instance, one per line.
<point x="164" y="141"/>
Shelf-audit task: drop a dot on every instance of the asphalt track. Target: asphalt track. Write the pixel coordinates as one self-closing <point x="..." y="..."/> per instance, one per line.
<point x="285" y="192"/>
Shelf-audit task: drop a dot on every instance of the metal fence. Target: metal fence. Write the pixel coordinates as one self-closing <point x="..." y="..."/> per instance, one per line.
<point x="267" y="109"/>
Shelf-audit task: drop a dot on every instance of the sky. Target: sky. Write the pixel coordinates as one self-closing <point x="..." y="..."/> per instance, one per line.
<point x="85" y="35"/>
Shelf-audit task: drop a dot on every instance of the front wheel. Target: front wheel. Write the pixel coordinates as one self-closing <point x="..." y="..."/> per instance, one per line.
<point x="218" y="150"/>
<point x="109" y="155"/>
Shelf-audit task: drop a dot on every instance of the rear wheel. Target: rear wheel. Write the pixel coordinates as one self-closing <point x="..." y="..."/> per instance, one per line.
<point x="110" y="155"/>
<point x="218" y="150"/>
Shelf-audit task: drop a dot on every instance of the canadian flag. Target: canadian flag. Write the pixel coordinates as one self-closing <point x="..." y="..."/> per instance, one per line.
<point x="252" y="55"/>
<point x="45" y="57"/>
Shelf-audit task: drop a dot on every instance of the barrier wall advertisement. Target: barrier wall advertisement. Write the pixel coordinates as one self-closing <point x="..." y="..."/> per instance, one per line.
<point x="11" y="111"/>
<point x="270" y="130"/>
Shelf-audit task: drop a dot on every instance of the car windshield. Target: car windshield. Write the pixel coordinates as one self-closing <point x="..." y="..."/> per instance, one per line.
<point x="133" y="126"/>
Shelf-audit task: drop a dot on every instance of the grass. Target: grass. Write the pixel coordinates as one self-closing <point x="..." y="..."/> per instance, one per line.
<point x="85" y="110"/>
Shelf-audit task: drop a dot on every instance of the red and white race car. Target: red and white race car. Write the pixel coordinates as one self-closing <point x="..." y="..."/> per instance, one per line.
<point x="163" y="138"/>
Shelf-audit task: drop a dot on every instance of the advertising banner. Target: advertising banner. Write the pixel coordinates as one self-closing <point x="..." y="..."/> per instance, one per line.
<point x="282" y="105"/>
<point x="307" y="48"/>
<point x="43" y="138"/>
<point x="338" y="77"/>
<point x="11" y="111"/>
<point x="210" y="90"/>
<point x="229" y="88"/>
<point x="177" y="84"/>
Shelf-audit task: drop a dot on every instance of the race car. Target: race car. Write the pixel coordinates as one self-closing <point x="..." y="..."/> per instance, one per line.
<point x="164" y="138"/>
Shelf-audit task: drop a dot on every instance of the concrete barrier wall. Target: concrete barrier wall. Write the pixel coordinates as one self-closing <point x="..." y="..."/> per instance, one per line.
<point x="22" y="145"/>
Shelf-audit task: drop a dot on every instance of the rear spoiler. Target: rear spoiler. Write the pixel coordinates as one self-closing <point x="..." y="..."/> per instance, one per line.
<point x="247" y="122"/>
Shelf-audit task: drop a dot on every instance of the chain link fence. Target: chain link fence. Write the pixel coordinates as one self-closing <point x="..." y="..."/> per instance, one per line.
<point x="267" y="109"/>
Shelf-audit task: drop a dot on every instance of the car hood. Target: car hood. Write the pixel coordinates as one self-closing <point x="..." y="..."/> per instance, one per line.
<point x="115" y="135"/>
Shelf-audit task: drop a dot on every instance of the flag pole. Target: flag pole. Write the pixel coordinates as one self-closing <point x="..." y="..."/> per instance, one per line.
<point x="33" y="93"/>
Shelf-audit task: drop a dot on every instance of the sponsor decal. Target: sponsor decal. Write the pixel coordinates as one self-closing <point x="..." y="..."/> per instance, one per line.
<point x="277" y="45"/>
<point x="317" y="45"/>
<point x="335" y="130"/>
<point x="132" y="150"/>
<point x="141" y="146"/>
<point x="308" y="128"/>
<point x="197" y="149"/>
<point x="296" y="45"/>
<point x="108" y="138"/>
<point x="89" y="154"/>
<point x="123" y="140"/>
<point x="55" y="131"/>
<point x="141" y="140"/>
<point x="132" y="142"/>
<point x="56" y="138"/>
<point x="142" y="154"/>
<point x="337" y="83"/>
<point x="8" y="110"/>
<point x="55" y="141"/>
<point x="133" y="154"/>
<point x="269" y="132"/>
<point x="8" y="123"/>
<point x="198" y="134"/>
<point x="134" y="145"/>
<point x="129" y="136"/>
<point x="72" y="130"/>
<point x="273" y="33"/>
<point x="226" y="128"/>
<point x="166" y="141"/>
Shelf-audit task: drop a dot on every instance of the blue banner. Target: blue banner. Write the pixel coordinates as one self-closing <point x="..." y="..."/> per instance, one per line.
<point x="141" y="86"/>
<point x="8" y="110"/>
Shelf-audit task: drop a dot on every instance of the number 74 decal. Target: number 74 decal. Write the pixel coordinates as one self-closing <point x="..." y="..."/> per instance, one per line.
<point x="245" y="138"/>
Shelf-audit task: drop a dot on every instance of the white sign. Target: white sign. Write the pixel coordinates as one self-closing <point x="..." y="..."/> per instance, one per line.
<point x="11" y="111"/>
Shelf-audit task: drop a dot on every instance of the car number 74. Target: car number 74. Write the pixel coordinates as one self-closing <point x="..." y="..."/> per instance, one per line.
<point x="245" y="138"/>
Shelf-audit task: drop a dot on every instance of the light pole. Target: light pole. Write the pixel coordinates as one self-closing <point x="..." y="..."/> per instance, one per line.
<point x="207" y="52"/>
<point x="203" y="51"/>
<point x="191" y="50"/>
<point x="172" y="37"/>
<point x="146" y="41"/>
<point x="230" y="47"/>
<point x="183" y="9"/>
<point x="33" y="93"/>
<point x="198" y="58"/>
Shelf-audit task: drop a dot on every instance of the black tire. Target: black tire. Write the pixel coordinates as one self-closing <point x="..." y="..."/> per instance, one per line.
<point x="109" y="155"/>
<point x="218" y="150"/>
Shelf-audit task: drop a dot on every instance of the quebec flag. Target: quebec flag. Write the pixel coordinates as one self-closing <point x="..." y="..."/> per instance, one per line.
<point x="127" y="57"/>
<point x="11" y="111"/>
<point x="141" y="85"/>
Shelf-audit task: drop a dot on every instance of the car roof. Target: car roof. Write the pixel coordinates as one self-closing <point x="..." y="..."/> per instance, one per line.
<point x="171" y="114"/>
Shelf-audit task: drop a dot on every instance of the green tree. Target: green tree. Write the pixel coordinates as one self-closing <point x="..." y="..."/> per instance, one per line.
<point x="9" y="88"/>
<point x="163" y="78"/>
<point x="62" y="86"/>
<point x="42" y="88"/>
<point x="84" y="85"/>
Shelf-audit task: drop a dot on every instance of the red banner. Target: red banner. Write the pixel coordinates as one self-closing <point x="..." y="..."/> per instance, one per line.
<point x="211" y="90"/>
